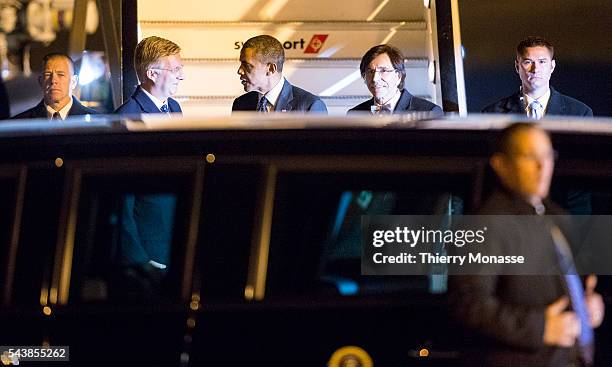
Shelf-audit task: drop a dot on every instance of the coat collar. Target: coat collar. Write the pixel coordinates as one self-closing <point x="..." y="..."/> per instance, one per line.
<point x="516" y="103"/>
<point x="555" y="103"/>
<point x="285" y="97"/>
<point x="40" y="110"/>
<point x="146" y="104"/>
<point x="404" y="102"/>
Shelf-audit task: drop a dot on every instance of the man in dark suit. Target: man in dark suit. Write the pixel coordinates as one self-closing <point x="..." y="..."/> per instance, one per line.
<point x="147" y="220"/>
<point x="527" y="320"/>
<point x="535" y="64"/>
<point x="159" y="68"/>
<point x="57" y="82"/>
<point x="382" y="69"/>
<point x="261" y="73"/>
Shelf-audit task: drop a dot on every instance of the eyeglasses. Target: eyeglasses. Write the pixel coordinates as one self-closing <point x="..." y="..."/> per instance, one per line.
<point x="175" y="70"/>
<point x="382" y="71"/>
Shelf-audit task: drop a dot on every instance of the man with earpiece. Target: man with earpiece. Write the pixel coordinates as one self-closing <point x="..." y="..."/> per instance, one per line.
<point x="535" y="64"/>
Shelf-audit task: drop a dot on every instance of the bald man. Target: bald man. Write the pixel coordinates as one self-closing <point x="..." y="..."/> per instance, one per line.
<point x="527" y="320"/>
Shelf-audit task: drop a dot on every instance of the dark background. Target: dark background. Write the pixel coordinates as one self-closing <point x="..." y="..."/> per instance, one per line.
<point x="579" y="30"/>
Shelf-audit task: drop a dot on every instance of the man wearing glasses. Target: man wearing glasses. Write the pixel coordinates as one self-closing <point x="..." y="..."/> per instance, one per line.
<point x="159" y="68"/>
<point x="147" y="219"/>
<point x="382" y="69"/>
<point x="57" y="82"/>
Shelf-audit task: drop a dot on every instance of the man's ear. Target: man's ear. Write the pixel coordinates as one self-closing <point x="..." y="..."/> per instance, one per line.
<point x="272" y="68"/>
<point x="152" y="74"/>
<point x="516" y="66"/>
<point x="553" y="64"/>
<point x="497" y="163"/>
<point x="73" y="82"/>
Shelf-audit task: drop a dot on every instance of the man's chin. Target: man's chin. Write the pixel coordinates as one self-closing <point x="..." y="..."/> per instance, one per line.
<point x="53" y="100"/>
<point x="245" y="86"/>
<point x="381" y="97"/>
<point x="536" y="84"/>
<point x="539" y="194"/>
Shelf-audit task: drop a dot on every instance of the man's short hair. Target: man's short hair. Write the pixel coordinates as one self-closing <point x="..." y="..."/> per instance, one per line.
<point x="149" y="51"/>
<point x="504" y="144"/>
<point x="267" y="50"/>
<point x="54" y="55"/>
<point x="534" y="41"/>
<point x="395" y="55"/>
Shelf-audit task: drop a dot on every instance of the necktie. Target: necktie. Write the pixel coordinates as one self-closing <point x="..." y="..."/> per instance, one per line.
<point x="576" y="294"/>
<point x="56" y="116"/>
<point x="262" y="106"/>
<point x="536" y="110"/>
<point x="384" y="109"/>
<point x="164" y="108"/>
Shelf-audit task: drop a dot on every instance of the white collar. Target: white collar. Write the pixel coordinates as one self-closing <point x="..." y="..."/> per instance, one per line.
<point x="543" y="101"/>
<point x="158" y="103"/>
<point x="63" y="112"/>
<point x="274" y="93"/>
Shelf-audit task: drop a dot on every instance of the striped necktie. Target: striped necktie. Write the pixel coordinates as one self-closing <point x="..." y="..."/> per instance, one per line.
<point x="262" y="106"/>
<point x="56" y="116"/>
<point x="536" y="110"/>
<point x="164" y="108"/>
<point x="576" y="294"/>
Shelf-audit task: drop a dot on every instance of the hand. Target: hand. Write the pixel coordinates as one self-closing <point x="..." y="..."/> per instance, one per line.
<point x="561" y="328"/>
<point x="594" y="302"/>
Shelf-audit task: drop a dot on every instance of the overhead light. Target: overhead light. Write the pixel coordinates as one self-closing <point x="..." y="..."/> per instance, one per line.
<point x="431" y="72"/>
<point x="92" y="67"/>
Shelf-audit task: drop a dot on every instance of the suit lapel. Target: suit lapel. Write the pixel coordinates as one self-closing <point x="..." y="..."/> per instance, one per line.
<point x="144" y="101"/>
<point x="40" y="111"/>
<point x="404" y="102"/>
<point x="148" y="106"/>
<point x="174" y="106"/>
<point x="367" y="105"/>
<point x="285" y="97"/>
<point x="251" y="101"/>
<point x="247" y="102"/>
<point x="515" y="104"/>
<point x="76" y="109"/>
<point x="555" y="104"/>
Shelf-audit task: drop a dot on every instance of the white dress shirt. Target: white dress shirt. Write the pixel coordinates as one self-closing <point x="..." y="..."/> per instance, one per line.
<point x="63" y="112"/>
<point x="543" y="100"/>
<point x="273" y="94"/>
